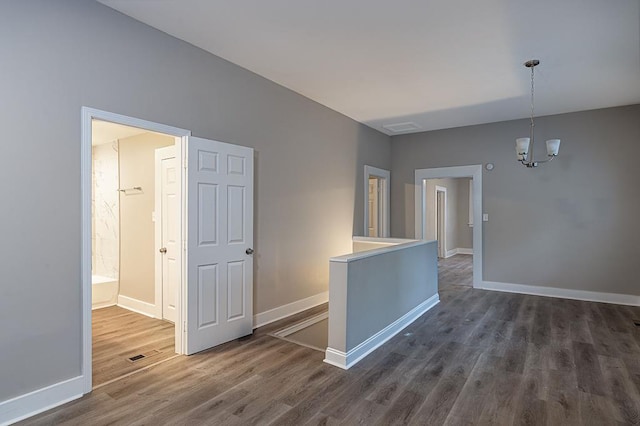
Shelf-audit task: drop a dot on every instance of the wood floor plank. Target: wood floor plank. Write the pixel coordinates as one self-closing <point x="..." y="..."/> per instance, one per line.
<point x="477" y="358"/>
<point x="588" y="372"/>
<point x="119" y="334"/>
<point x="621" y="390"/>
<point x="339" y="407"/>
<point x="477" y="389"/>
<point x="562" y="400"/>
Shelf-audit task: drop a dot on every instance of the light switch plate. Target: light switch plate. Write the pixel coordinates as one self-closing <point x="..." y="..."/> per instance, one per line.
<point x="485" y="217"/>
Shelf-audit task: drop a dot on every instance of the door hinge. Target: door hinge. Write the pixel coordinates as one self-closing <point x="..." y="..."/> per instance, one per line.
<point x="184" y="326"/>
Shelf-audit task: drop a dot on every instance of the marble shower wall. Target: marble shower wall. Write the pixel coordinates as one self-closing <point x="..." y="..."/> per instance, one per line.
<point x="105" y="211"/>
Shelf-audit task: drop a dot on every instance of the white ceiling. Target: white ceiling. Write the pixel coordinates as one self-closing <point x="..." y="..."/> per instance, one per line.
<point x="435" y="63"/>
<point x="104" y="132"/>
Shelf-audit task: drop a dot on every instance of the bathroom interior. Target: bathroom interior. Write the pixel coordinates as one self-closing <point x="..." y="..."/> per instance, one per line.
<point x="127" y="331"/>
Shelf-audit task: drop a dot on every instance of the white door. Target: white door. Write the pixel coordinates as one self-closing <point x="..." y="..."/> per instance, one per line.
<point x="219" y="243"/>
<point x="170" y="232"/>
<point x="167" y="233"/>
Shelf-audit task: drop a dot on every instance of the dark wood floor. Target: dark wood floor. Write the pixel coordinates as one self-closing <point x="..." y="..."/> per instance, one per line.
<point x="119" y="334"/>
<point x="478" y="357"/>
<point x="455" y="270"/>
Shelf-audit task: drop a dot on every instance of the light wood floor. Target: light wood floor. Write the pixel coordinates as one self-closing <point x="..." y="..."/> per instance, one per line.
<point x="119" y="334"/>
<point x="478" y="357"/>
<point x="455" y="270"/>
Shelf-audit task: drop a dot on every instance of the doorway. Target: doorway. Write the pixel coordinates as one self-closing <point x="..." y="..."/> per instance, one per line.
<point x="376" y="202"/>
<point x="127" y="333"/>
<point x="438" y="192"/>
<point x="214" y="189"/>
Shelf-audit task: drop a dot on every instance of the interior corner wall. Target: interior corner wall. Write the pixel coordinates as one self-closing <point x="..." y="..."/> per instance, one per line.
<point x="572" y="223"/>
<point x="137" y="237"/>
<point x="59" y="56"/>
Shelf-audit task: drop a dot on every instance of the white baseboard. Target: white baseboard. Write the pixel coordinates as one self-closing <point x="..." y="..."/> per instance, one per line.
<point x="347" y="360"/>
<point x="563" y="293"/>
<point x="138" y="306"/>
<point x="32" y="403"/>
<point x="102" y="305"/>
<point x="289" y="309"/>
<point x="458" y="250"/>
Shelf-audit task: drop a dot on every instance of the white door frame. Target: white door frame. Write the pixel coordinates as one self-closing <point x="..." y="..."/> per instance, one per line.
<point x="474" y="172"/>
<point x="88" y="114"/>
<point x="445" y="213"/>
<point x="383" y="199"/>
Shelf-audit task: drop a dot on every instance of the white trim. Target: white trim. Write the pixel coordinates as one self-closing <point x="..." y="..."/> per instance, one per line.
<point x="21" y="407"/>
<point x="289" y="309"/>
<point x="102" y="305"/>
<point x="181" y="299"/>
<point x="384" y="199"/>
<point x="475" y="173"/>
<point x="458" y="250"/>
<point x="444" y="220"/>
<point x="347" y="360"/>
<point x="563" y="293"/>
<point x="470" y="204"/>
<point x="464" y="250"/>
<point x="450" y="253"/>
<point x="88" y="114"/>
<point x="351" y="257"/>
<point x="137" y="306"/>
<point x="380" y="240"/>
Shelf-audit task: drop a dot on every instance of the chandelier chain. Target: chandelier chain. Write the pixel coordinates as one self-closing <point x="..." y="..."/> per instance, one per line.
<point x="532" y="105"/>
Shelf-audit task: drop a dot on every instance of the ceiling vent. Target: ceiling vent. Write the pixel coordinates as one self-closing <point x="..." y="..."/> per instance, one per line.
<point x="401" y="127"/>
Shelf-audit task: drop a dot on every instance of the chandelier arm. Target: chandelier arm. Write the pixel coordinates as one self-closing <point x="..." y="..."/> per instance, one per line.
<point x="549" y="158"/>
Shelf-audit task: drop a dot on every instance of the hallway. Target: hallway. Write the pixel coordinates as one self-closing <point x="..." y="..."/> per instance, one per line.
<point x="455" y="271"/>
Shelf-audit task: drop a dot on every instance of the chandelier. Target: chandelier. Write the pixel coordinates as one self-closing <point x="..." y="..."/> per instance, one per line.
<point x="525" y="155"/>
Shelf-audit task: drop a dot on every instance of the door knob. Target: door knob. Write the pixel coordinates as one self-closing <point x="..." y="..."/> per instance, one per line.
<point x="163" y="250"/>
<point x="249" y="251"/>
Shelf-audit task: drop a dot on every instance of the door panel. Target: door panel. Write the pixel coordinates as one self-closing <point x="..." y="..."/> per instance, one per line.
<point x="236" y="214"/>
<point x="235" y="302"/>
<point x="207" y="295"/>
<point x="219" y="232"/>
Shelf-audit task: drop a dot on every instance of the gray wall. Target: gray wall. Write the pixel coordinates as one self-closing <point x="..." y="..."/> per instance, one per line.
<point x="572" y="223"/>
<point x="58" y="56"/>
<point x="465" y="232"/>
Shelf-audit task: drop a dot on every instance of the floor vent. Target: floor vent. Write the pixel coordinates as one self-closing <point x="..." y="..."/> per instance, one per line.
<point x="136" y="358"/>
<point x="636" y="323"/>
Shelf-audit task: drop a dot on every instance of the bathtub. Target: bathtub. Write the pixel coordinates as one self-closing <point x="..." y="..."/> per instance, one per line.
<point x="104" y="291"/>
